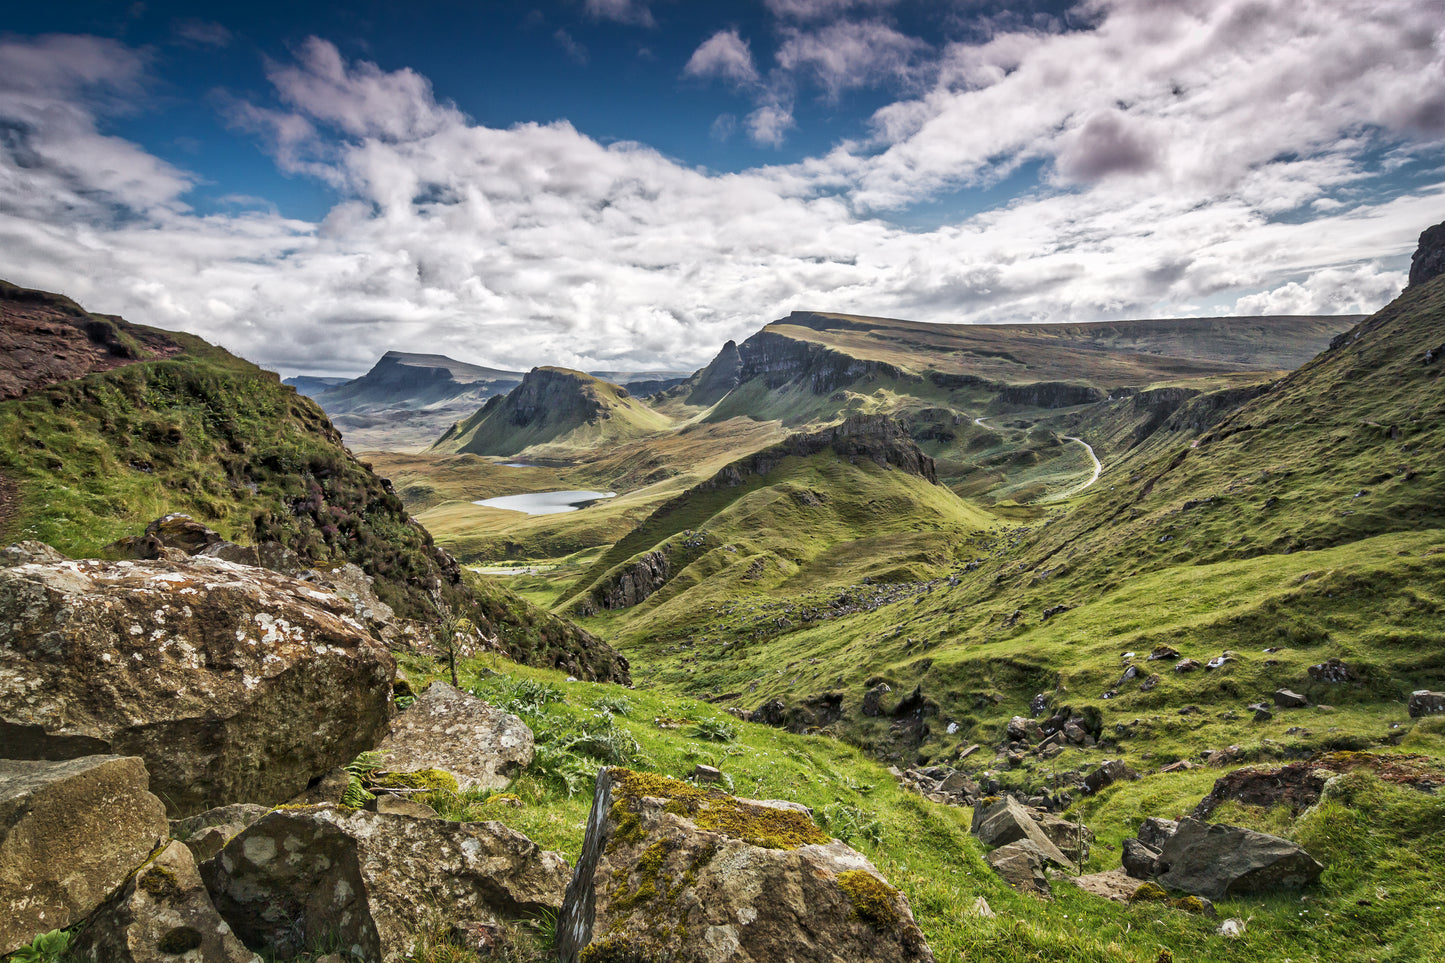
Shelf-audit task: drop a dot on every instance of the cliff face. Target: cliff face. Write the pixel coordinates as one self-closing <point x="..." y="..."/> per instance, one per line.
<point x="779" y="360"/>
<point x="1429" y="258"/>
<point x="722" y="375"/>
<point x="402" y="380"/>
<point x="1050" y="394"/>
<point x="555" y="395"/>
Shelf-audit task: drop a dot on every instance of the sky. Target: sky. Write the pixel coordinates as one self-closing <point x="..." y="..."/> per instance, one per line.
<point x="627" y="184"/>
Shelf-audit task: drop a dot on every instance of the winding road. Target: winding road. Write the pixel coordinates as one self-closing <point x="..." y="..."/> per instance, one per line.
<point x="1070" y="493"/>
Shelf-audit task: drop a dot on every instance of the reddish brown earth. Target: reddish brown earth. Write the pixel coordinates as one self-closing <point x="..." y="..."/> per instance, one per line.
<point x="48" y="338"/>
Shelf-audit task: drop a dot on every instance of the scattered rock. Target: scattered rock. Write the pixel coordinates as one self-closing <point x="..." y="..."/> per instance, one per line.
<point x="1110" y="771"/>
<point x="1139" y="860"/>
<point x="1024" y="729"/>
<point x="1332" y="670"/>
<point x="1187" y="665"/>
<point x="1286" y="699"/>
<point x="982" y="909"/>
<point x="160" y="915"/>
<point x="1021" y="865"/>
<point x="1163" y="652"/>
<point x="205" y="833"/>
<point x="1262" y="712"/>
<point x="182" y="532"/>
<point x="29" y="552"/>
<point x="297" y="876"/>
<point x="328" y="788"/>
<point x="706" y="774"/>
<point x="1007" y="821"/>
<point x="1232" y="928"/>
<point x="1219" y="861"/>
<point x="234" y="684"/>
<point x="70" y="833"/>
<point x="707" y="877"/>
<point x="454" y="731"/>
<point x="1155" y="831"/>
<point x="1423" y="702"/>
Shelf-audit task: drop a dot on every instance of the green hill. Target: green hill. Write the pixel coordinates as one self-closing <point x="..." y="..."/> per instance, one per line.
<point x="554" y="411"/>
<point x="173" y="424"/>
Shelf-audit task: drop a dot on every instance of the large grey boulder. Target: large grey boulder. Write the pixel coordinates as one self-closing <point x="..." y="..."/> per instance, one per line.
<point x="1219" y="861"/>
<point x="448" y="729"/>
<point x="235" y="684"/>
<point x="296" y="877"/>
<point x="70" y="832"/>
<point x="672" y="871"/>
<point x="162" y="914"/>
<point x="1008" y="821"/>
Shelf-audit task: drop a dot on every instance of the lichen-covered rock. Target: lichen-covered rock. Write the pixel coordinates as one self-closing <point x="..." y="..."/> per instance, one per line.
<point x="160" y="915"/>
<point x="235" y="684"/>
<point x="205" y="833"/>
<point x="298" y="876"/>
<point x="447" y="729"/>
<point x="70" y="832"/>
<point x="1218" y="861"/>
<point x="692" y="875"/>
<point x="1113" y="885"/>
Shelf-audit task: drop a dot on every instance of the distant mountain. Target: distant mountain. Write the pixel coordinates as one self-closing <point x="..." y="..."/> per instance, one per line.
<point x="416" y="381"/>
<point x="553" y="407"/>
<point x="643" y="384"/>
<point x="311" y="387"/>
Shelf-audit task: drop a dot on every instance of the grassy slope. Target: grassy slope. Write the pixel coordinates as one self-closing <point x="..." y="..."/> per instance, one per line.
<point x="580" y="412"/>
<point x="213" y="436"/>
<point x="1381" y="843"/>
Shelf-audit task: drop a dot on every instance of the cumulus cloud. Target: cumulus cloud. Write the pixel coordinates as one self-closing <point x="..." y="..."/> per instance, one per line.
<point x="726" y="55"/>
<point x="537" y="244"/>
<point x="848" y="54"/>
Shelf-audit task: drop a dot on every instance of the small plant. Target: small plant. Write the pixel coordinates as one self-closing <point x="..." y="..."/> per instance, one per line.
<point x="850" y="822"/>
<point x="361" y="771"/>
<point x="613" y="704"/>
<point x="715" y="730"/>
<point x="451" y="636"/>
<point x="45" y="948"/>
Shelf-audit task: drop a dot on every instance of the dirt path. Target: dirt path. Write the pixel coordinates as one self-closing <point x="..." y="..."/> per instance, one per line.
<point x="1098" y="469"/>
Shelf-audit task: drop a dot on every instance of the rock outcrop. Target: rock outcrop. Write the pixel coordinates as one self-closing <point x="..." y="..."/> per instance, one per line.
<point x="234" y="684"/>
<point x="369" y="880"/>
<point x="70" y="833"/>
<point x="1216" y="861"/>
<point x="1008" y="821"/>
<point x="722" y="375"/>
<point x="205" y="833"/>
<point x="161" y="914"/>
<point x="636" y="582"/>
<point x="479" y="744"/>
<point x="702" y="876"/>
<point x="1428" y="260"/>
<point x="1423" y="702"/>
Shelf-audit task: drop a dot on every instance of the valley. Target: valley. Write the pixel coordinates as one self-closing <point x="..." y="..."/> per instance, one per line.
<point x="902" y="574"/>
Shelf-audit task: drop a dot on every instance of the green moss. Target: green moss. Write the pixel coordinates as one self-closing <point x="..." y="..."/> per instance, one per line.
<point x="1190" y="904"/>
<point x="628" y="826"/>
<point x="716" y="811"/>
<point x="159" y="883"/>
<point x="615" y="949"/>
<point x="1149" y="893"/>
<point x="649" y="865"/>
<point x="874" y="901"/>
<point x="441" y="785"/>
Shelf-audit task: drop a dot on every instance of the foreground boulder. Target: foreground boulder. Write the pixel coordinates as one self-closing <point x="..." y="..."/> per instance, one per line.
<point x="690" y="875"/>
<point x="1021" y="865"/>
<point x="1219" y="861"/>
<point x="482" y="746"/>
<point x="70" y="832"/>
<point x="235" y="684"/>
<point x="160" y="915"/>
<point x="297" y="877"/>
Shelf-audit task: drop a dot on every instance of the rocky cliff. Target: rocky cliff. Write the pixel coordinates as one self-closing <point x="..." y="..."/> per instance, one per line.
<point x="1428" y="260"/>
<point x="876" y="438"/>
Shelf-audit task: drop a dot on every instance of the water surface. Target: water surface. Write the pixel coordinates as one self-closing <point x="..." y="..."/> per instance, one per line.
<point x="546" y="503"/>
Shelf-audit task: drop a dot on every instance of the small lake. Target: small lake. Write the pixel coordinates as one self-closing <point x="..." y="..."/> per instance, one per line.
<point x="545" y="503"/>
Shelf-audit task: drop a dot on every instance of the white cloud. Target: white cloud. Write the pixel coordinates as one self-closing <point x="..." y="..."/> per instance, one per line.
<point x="631" y="12"/>
<point x="725" y="55"/>
<point x="848" y="54"/>
<point x="820" y="9"/>
<point x="769" y="124"/>
<point x="1194" y="177"/>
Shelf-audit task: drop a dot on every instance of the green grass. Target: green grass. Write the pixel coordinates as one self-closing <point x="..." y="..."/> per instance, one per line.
<point x="1374" y="837"/>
